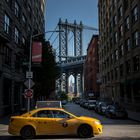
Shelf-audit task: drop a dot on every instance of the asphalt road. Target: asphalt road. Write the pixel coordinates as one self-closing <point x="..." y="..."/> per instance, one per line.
<point x="112" y="129"/>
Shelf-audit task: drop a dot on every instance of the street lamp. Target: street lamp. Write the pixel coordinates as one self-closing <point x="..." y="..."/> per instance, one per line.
<point x="30" y="63"/>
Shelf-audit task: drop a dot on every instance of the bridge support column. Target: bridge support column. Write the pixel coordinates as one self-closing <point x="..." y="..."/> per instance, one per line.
<point x="81" y="84"/>
<point x="67" y="82"/>
<point x="75" y="84"/>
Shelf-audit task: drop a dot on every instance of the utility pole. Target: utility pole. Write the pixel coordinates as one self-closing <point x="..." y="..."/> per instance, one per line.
<point x="29" y="74"/>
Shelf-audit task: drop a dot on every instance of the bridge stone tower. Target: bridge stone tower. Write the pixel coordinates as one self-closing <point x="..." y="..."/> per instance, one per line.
<point x="77" y="71"/>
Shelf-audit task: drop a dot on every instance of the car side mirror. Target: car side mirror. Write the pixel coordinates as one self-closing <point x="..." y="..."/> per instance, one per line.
<point x="69" y="117"/>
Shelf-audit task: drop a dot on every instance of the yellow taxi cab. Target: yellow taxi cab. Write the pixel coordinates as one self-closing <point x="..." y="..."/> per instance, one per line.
<point x="53" y="121"/>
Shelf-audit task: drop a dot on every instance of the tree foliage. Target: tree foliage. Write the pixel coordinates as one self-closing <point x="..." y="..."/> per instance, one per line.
<point x="62" y="95"/>
<point x="48" y="72"/>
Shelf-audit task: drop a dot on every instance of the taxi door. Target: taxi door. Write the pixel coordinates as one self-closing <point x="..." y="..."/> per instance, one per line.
<point x="44" y="126"/>
<point x="65" y="125"/>
<point x="43" y="122"/>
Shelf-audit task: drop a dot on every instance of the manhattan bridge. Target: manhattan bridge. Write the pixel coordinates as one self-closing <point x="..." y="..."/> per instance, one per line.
<point x="71" y="64"/>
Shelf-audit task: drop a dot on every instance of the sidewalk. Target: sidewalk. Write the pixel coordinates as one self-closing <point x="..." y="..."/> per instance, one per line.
<point x="134" y="115"/>
<point x="4" y="120"/>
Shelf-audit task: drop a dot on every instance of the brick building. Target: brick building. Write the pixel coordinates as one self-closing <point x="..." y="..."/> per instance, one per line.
<point x="119" y="51"/>
<point x="91" y="69"/>
<point x="19" y="19"/>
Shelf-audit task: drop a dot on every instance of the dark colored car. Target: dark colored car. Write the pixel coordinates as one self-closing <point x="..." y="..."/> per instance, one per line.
<point x="82" y="103"/>
<point x="91" y="104"/>
<point x="102" y="107"/>
<point x="115" y="111"/>
<point x="64" y="102"/>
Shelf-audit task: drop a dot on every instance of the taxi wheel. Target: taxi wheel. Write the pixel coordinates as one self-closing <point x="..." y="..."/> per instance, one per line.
<point x="27" y="132"/>
<point x="85" y="131"/>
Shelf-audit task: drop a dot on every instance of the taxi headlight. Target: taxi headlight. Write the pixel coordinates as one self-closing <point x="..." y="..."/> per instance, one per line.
<point x="97" y="122"/>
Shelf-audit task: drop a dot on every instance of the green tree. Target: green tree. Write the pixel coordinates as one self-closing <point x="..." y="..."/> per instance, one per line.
<point x="62" y="95"/>
<point x="48" y="72"/>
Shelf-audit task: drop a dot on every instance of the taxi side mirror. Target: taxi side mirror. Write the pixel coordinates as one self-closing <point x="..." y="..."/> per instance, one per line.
<point x="70" y="117"/>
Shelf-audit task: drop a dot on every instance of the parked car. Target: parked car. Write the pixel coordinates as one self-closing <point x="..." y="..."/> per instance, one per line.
<point x="103" y="107"/>
<point x="53" y="121"/>
<point x="85" y="104"/>
<point x="82" y="102"/>
<point x="76" y="100"/>
<point x="64" y="102"/>
<point x="97" y="106"/>
<point x="91" y="104"/>
<point x="115" y="111"/>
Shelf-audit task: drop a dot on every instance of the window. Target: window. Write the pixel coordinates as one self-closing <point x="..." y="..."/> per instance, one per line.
<point x="29" y="29"/>
<point x="9" y="2"/>
<point x="120" y="12"/>
<point x="111" y="40"/>
<point x="110" y="10"/>
<point x="115" y="20"/>
<point x="112" y="58"/>
<point x="115" y="2"/>
<point x="107" y="61"/>
<point x="60" y="114"/>
<point x="29" y="11"/>
<point x="6" y="23"/>
<point x="135" y="14"/>
<point x="121" y="70"/>
<point x="136" y="63"/>
<point x="7" y="55"/>
<point x="43" y="114"/>
<point x="127" y="45"/>
<point x="17" y="62"/>
<point x="16" y="9"/>
<point x="23" y="19"/>
<point x="120" y="31"/>
<point x="105" y="79"/>
<point x="116" y="55"/>
<point x="116" y="73"/>
<point x="112" y="74"/>
<point x="126" y="2"/>
<point x="111" y="27"/>
<point x="121" y="50"/>
<point x="16" y="35"/>
<point x="128" y="67"/>
<point x="115" y="37"/>
<point x="108" y="76"/>
<point x="135" y="38"/>
<point x="23" y="40"/>
<point x="127" y="24"/>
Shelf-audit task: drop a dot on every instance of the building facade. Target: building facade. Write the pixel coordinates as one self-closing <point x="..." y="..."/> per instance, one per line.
<point x="91" y="69"/>
<point x="119" y="51"/>
<point x="19" y="19"/>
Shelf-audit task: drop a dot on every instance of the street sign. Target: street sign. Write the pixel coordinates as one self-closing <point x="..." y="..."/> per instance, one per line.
<point x="29" y="82"/>
<point x="28" y="93"/>
<point x="29" y="74"/>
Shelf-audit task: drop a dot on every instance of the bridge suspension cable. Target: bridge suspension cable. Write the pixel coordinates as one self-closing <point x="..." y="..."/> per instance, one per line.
<point x="52" y="33"/>
<point x="55" y="39"/>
